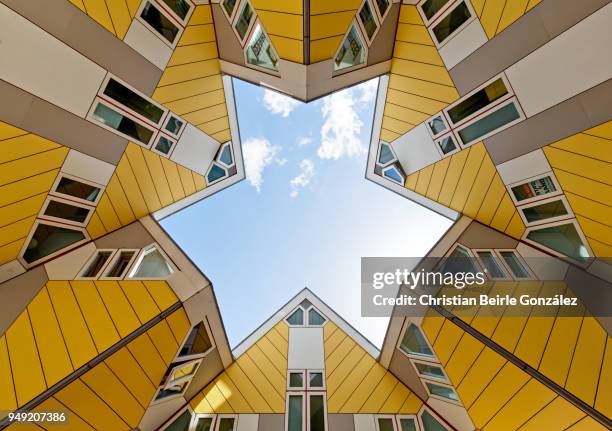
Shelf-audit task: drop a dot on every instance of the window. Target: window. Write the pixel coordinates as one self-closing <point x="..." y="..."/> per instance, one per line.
<point x="163" y="144"/>
<point x="505" y="115"/>
<point x="493" y="267"/>
<point x="546" y="210"/>
<point x="315" y="380"/>
<point x="432" y="7"/>
<point x="437" y="125"/>
<point x="314" y="318"/>
<point x="383" y="7"/>
<point x="316" y="409"/>
<point x="351" y="52"/>
<point x="204" y="424"/>
<point x="126" y="126"/>
<point x="394" y="174"/>
<point x="215" y="173"/>
<point x="133" y="101"/>
<point x="47" y="239"/>
<point x="244" y="20"/>
<point x="296" y="379"/>
<point x="414" y="343"/>
<point x="159" y="22"/>
<point x="385" y="424"/>
<point x="296" y="318"/>
<point x="366" y="16"/>
<point x="229" y="6"/>
<point x="563" y="238"/>
<point x="447" y="145"/>
<point x="198" y="342"/>
<point x="442" y="391"/>
<point x="453" y="21"/>
<point x="95" y="265"/>
<point x="151" y="264"/>
<point x="429" y="422"/>
<point x="68" y="186"/>
<point x="181" y="423"/>
<point x="179" y="7"/>
<point x="460" y="259"/>
<point x="174" y="125"/>
<point x="120" y="263"/>
<point x="177" y="379"/>
<point x="225" y="156"/>
<point x="514" y="263"/>
<point x="408" y="424"/>
<point x="386" y="154"/>
<point x="226" y="424"/>
<point x="295" y="408"/>
<point x="260" y="51"/>
<point x="429" y="370"/>
<point x="534" y="188"/>
<point x="66" y="211"/>
<point x="477" y="101"/>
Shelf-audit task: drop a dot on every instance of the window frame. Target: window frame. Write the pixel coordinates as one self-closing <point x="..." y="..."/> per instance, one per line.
<point x="439" y="147"/>
<point x="389" y="163"/>
<point x="315" y="388"/>
<point x="381" y="17"/>
<point x="355" y="24"/>
<point x="573" y="221"/>
<point x="164" y="12"/>
<point x="468" y="250"/>
<point x="375" y="16"/>
<point x="440" y="397"/>
<point x="196" y="416"/>
<point x="91" y="259"/>
<point x="407" y="323"/>
<point x="50" y="256"/>
<point x="219" y="416"/>
<point x="444" y="116"/>
<point x="549" y="174"/>
<point x="304" y="320"/>
<point x="221" y="162"/>
<point x="114" y="258"/>
<point x="61" y="175"/>
<point x="434" y="17"/>
<point x="237" y="12"/>
<point x="231" y="17"/>
<point x="246" y="48"/>
<point x="444" y="379"/>
<point x="309" y="394"/>
<point x="166" y="119"/>
<point x="175" y="416"/>
<point x="179" y="380"/>
<point x="213" y="163"/>
<point x="507" y="276"/>
<point x="434" y="415"/>
<point x="140" y="255"/>
<point x="414" y="417"/>
<point x="49" y="198"/>
<point x="155" y="141"/>
<point x="561" y="197"/>
<point x="302" y="394"/>
<point x="183" y="21"/>
<point x="400" y="173"/>
<point x="446" y="10"/>
<point x="385" y="416"/>
<point x="307" y="317"/>
<point x="213" y="346"/>
<point x="531" y="275"/>
<point x="296" y="388"/>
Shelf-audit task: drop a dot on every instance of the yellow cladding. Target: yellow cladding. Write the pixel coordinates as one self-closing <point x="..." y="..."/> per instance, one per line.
<point x="419" y="85"/>
<point x="357" y="383"/>
<point x="68" y="323"/>
<point x="468" y="183"/>
<point x="191" y="85"/>
<point x="28" y="168"/>
<point x="142" y="183"/>
<point x="329" y="22"/>
<point x="496" y="15"/>
<point x="284" y="23"/>
<point x="582" y="165"/>
<point x="254" y="383"/>
<point x="114" y="15"/>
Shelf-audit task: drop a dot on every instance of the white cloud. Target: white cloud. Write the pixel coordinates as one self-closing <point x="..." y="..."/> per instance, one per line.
<point x="304" y="140"/>
<point x="307" y="171"/>
<point x="278" y="103"/>
<point x="259" y="153"/>
<point x="368" y="90"/>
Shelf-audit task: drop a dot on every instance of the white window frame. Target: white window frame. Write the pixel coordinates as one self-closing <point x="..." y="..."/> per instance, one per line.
<point x="388" y="168"/>
<point x="309" y="394"/>
<point x="246" y="48"/>
<point x="210" y="169"/>
<point x="442" y="14"/>
<point x="439" y="148"/>
<point x="435" y="16"/>
<point x="196" y="416"/>
<point x="398" y="418"/>
<point x="521" y="261"/>
<point x="43" y="216"/>
<point x="247" y="35"/>
<point x="304" y="321"/>
<point x="296" y="388"/>
<point x="178" y="358"/>
<point x="231" y="17"/>
<point x="537" y="245"/>
<point x="444" y="379"/>
<point x="114" y="260"/>
<point x="439" y="397"/>
<point x="166" y="119"/>
<point x="307" y="317"/>
<point x="140" y="255"/>
<point x="446" y="121"/>
<point x="175" y="416"/>
<point x="304" y="395"/>
<point x="91" y="259"/>
<point x="393" y="420"/>
<point x="550" y="174"/>
<point x="470" y="252"/>
<point x="179" y="380"/>
<point x="507" y="275"/>
<point x="382" y="17"/>
<point x="183" y="21"/>
<point x="562" y="198"/>
<point x="217" y="421"/>
<point x="437" y="417"/>
<point x="374" y="16"/>
<point x="218" y="160"/>
<point x="61" y="175"/>
<point x="314" y="388"/>
<point x="380" y="144"/>
<point x="365" y="47"/>
<point x="170" y="17"/>
<point x="156" y="140"/>
<point x="37" y="222"/>
<point x="432" y="359"/>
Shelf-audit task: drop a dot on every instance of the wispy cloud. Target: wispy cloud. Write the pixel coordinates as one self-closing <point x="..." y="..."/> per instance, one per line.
<point x="258" y="153"/>
<point x="278" y="103"/>
<point x="341" y="127"/>
<point x="367" y="90"/>
<point x="304" y="140"/>
<point x="307" y="172"/>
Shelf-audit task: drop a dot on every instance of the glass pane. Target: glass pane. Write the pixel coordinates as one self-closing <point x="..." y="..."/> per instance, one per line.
<point x="226" y="155"/>
<point x="386" y="155"/>
<point x="294" y="421"/>
<point x="563" y="239"/>
<point x="153" y="264"/>
<point x="125" y="125"/>
<point x="96" y="265"/>
<point x="431" y="7"/>
<point x="414" y="342"/>
<point x="297" y="318"/>
<point x="317" y="413"/>
<point x="492" y="265"/>
<point x="130" y="99"/>
<point x="447" y="144"/>
<point x="226" y="424"/>
<point x="352" y="51"/>
<point x="203" y="424"/>
<point x="197" y="342"/>
<point x="260" y="52"/>
<point x="159" y="22"/>
<point x="48" y="239"/>
<point x="517" y="268"/>
<point x="229" y="6"/>
<point x="179" y="7"/>
<point x="459" y="261"/>
<point x="174" y="125"/>
<point x="489" y="123"/>
<point x="383" y="5"/>
<point x="172" y="390"/>
<point x="296" y="380"/>
<point x="442" y="391"/>
<point x="478" y="100"/>
<point x="66" y="211"/>
<point x="164" y="145"/>
<point x="244" y="20"/>
<point x="451" y="22"/>
<point x="120" y="264"/>
<point x="367" y="19"/>
<point x="385" y="424"/>
<point x="181" y="423"/>
<point x="77" y="189"/>
<point x="430" y="423"/>
<point x="545" y="211"/>
<point x="437" y="125"/>
<point x="216" y="173"/>
<point x="429" y="370"/>
<point x="393" y="174"/>
<point x="539" y="187"/>
<point x="314" y="318"/>
<point x="315" y="380"/>
<point x="408" y="424"/>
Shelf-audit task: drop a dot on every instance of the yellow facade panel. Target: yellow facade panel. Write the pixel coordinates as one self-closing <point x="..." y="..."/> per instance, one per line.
<point x="412" y="33"/>
<point x="267" y="390"/>
<point x="597" y="170"/>
<point x="396" y="126"/>
<point x="388" y="135"/>
<point x="591" y="209"/>
<point x="336" y="356"/>
<point x="558" y="415"/>
<point x="516" y="227"/>
<point x="603" y="401"/>
<point x="8" y="131"/>
<point x="468" y="176"/>
<point x="182" y="90"/>
<point x="120" y="16"/>
<point x="186" y="180"/>
<point x="119" y="308"/>
<point x="161" y="292"/>
<point x="201" y="15"/>
<point x="268" y="369"/>
<point x="164" y="341"/>
<point x="95" y="228"/>
<point x="216" y="400"/>
<point x="424" y="180"/>
<point x="119" y="201"/>
<point x="179" y="325"/>
<point x="411" y="180"/>
<point x="512" y="11"/>
<point x="417" y="52"/>
<point x="410" y="15"/>
<point x="330" y="24"/>
<point x="464" y="355"/>
<point x="342" y="371"/>
<point x="282" y="24"/>
<point x="347" y="388"/>
<point x="125" y="367"/>
<point x="98" y="11"/>
<point x="491" y="201"/>
<point x="593" y="229"/>
<point x="491" y="15"/>
<point x="604" y="130"/>
<point x="426" y="72"/>
<point x="74" y="422"/>
<point x="147" y="356"/>
<point x="447" y="341"/>
<point x="378" y="395"/>
<point x="503" y="215"/>
<point x="23" y="146"/>
<point x="412" y="405"/>
<point x="414" y="102"/>
<point x="323" y="49"/>
<point x="142" y="175"/>
<point x="557" y="357"/>
<point x="19" y="210"/>
<point x="585" y="187"/>
<point x="34" y="164"/>
<point x="318" y="7"/>
<point x="478" y="377"/>
<point x="198" y="102"/>
<point x="247" y="388"/>
<point x="140" y="300"/>
<point x="288" y="6"/>
<point x="587" y="145"/>
<point x="453" y="174"/>
<point x="133" y="6"/>
<point x="159" y="177"/>
<point x="195" y="34"/>
<point x="214" y="126"/>
<point x="207" y="114"/>
<point x="274" y="355"/>
<point x="432" y="323"/>
<point x="107" y="214"/>
<point x="8" y="402"/>
<point x="395" y="400"/>
<point x="420" y="87"/>
<point x="131" y="188"/>
<point x="27" y="187"/>
<point x="233" y="396"/>
<point x="360" y="395"/>
<point x="196" y="52"/>
<point x="587" y="424"/>
<point x="200" y="182"/>
<point x="289" y="49"/>
<point x="185" y="72"/>
<point x="481" y="185"/>
<point x="404" y="114"/>
<point x="437" y="178"/>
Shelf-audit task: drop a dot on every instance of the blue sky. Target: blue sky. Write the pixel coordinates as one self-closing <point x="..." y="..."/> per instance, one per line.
<point x="304" y="216"/>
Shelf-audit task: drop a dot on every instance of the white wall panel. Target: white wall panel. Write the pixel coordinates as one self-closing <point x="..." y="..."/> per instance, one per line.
<point x="523" y="167"/>
<point x="195" y="150"/>
<point x="364" y="423"/>
<point x="147" y="44"/>
<point x="415" y="149"/>
<point x="573" y="62"/>
<point x="306" y="348"/>
<point x="40" y="64"/>
<point x="463" y="44"/>
<point x="87" y="167"/>
<point x="67" y="266"/>
<point x="248" y="422"/>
